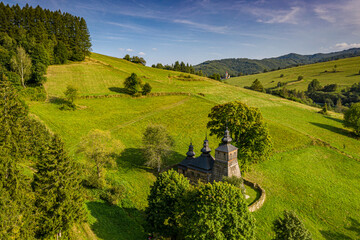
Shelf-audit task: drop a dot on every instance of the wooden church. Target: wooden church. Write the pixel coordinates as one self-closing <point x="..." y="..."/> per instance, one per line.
<point x="208" y="168"/>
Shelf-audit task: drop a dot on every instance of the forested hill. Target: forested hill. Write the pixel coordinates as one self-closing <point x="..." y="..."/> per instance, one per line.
<point x="47" y="37"/>
<point x="240" y="66"/>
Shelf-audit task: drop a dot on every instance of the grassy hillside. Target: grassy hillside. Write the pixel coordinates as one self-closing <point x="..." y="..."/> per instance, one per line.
<point x="314" y="168"/>
<point x="347" y="73"/>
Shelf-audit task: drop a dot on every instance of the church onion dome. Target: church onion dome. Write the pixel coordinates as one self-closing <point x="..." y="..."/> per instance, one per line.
<point x="190" y="153"/>
<point x="206" y="149"/>
<point x="226" y="139"/>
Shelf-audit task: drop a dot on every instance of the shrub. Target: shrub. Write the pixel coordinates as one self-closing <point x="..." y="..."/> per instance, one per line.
<point x="146" y="89"/>
<point x="289" y="227"/>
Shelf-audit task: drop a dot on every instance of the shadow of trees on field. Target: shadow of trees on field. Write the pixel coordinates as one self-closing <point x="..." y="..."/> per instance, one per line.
<point x="132" y="158"/>
<point x="334" y="119"/>
<point x="341" y="131"/>
<point x="113" y="222"/>
<point x="57" y="100"/>
<point x="354" y="227"/>
<point x="118" y="90"/>
<point x="332" y="235"/>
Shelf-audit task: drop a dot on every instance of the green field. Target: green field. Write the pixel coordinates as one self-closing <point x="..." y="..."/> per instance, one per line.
<point x="347" y="73"/>
<point x="313" y="170"/>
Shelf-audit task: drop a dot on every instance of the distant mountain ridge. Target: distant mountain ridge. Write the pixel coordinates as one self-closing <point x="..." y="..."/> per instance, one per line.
<point x="237" y="66"/>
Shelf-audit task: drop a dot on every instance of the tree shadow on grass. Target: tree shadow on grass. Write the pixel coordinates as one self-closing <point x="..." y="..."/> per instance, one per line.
<point x="118" y="90"/>
<point x="335" y="119"/>
<point x="132" y="158"/>
<point x="332" y="235"/>
<point x="58" y="100"/>
<point x="353" y="75"/>
<point x="114" y="222"/>
<point x="341" y="131"/>
<point x="355" y="226"/>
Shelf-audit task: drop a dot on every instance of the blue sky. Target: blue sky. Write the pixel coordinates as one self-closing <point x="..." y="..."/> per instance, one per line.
<point x="194" y="31"/>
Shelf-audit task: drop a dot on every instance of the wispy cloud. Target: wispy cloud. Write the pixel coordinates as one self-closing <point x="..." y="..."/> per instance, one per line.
<point x="324" y="14"/>
<point x="154" y="49"/>
<point x="204" y="27"/>
<point x="127" y="26"/>
<point x="342" y="13"/>
<point x="343" y="46"/>
<point x="121" y="49"/>
<point x="277" y="16"/>
<point x="129" y="50"/>
<point x="142" y="53"/>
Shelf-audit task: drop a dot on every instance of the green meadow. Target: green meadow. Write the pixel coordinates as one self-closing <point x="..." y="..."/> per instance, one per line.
<point x="346" y="74"/>
<point x="314" y="168"/>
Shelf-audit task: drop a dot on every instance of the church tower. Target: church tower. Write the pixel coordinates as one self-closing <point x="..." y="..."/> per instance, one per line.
<point x="226" y="163"/>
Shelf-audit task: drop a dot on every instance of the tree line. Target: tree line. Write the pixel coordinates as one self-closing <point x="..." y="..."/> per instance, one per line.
<point x="40" y="37"/>
<point x="179" y="67"/>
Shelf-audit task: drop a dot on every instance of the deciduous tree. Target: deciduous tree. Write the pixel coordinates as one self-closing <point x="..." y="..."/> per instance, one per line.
<point x="146" y="89"/>
<point x="21" y="63"/>
<point x="352" y="118"/>
<point x="157" y="144"/>
<point x="257" y="86"/>
<point x="247" y="128"/>
<point x="216" y="211"/>
<point x="162" y="213"/>
<point x="98" y="146"/>
<point x="133" y="84"/>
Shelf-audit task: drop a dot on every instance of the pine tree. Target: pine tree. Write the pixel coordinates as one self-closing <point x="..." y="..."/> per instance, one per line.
<point x="16" y="208"/>
<point x="16" y="200"/>
<point x="57" y="192"/>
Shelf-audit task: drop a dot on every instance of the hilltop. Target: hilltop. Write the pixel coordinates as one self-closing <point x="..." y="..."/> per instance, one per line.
<point x="313" y="169"/>
<point x="245" y="66"/>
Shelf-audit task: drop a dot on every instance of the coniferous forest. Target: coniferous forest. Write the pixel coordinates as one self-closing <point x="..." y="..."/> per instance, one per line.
<point x="40" y="37"/>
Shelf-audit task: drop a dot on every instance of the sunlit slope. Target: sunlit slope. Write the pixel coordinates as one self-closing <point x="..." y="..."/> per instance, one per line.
<point x="310" y="150"/>
<point x="347" y="73"/>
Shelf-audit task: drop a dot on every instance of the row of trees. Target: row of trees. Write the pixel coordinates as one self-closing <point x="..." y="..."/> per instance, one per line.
<point x="47" y="204"/>
<point x="135" y="59"/>
<point x="33" y="38"/>
<point x="208" y="211"/>
<point x="179" y="67"/>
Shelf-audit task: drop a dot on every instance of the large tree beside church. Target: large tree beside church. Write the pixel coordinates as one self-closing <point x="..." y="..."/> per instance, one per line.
<point x="247" y="127"/>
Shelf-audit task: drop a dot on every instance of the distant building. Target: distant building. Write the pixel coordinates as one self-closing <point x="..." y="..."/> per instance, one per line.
<point x="206" y="167"/>
<point x="227" y="75"/>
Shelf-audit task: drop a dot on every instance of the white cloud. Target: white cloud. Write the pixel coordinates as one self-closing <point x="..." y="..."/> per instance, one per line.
<point x="142" y="53"/>
<point x="121" y="49"/>
<point x="129" y="50"/>
<point x="277" y="16"/>
<point x="154" y="49"/>
<point x="343" y="46"/>
<point x="204" y="27"/>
